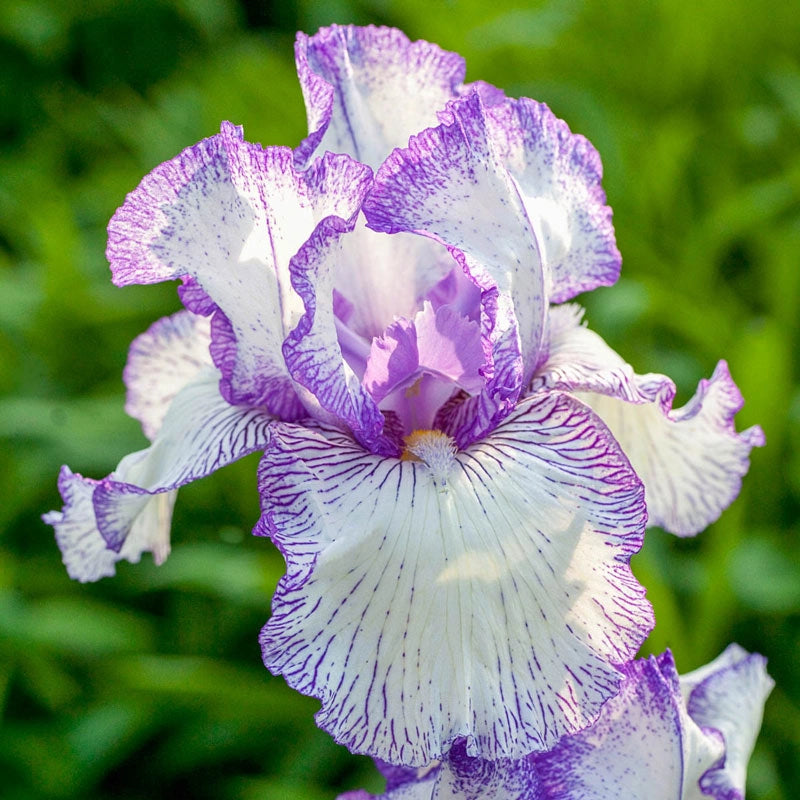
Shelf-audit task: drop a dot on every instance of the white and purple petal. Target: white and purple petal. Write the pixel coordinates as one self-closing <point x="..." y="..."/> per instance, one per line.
<point x="643" y="745"/>
<point x="227" y="217"/>
<point x="129" y="511"/>
<point x="85" y="552"/>
<point x="161" y="361"/>
<point x="729" y="695"/>
<point x="367" y="89"/>
<point x="691" y="459"/>
<point x="646" y="744"/>
<point x="558" y="177"/>
<point x="450" y="184"/>
<point x="485" y="596"/>
<point x="384" y="277"/>
<point x="327" y="385"/>
<point x="513" y="189"/>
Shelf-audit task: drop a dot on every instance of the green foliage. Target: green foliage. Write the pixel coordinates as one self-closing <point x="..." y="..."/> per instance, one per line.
<point x="150" y="685"/>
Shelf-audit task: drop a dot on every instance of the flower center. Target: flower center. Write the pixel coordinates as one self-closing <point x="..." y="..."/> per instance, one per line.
<point x="435" y="449"/>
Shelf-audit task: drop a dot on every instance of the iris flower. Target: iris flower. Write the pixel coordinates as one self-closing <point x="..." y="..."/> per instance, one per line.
<point x="456" y="470"/>
<point x="663" y="737"/>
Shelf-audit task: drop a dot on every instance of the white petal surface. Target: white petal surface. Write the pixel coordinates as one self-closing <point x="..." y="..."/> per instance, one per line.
<point x="691" y="459"/>
<point x="729" y="695"/>
<point x="230" y="216"/>
<point x="161" y="362"/>
<point x="489" y="598"/>
<point x="129" y="512"/>
<point x="368" y="89"/>
<point x="331" y="390"/>
<point x="557" y="175"/>
<point x="387" y="276"/>
<point x="450" y="183"/>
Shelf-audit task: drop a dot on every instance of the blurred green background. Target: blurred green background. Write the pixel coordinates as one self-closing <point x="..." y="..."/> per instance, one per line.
<point x="150" y="685"/>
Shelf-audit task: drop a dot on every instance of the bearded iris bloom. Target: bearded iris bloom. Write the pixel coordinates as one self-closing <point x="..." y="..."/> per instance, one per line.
<point x="663" y="737"/>
<point x="456" y="470"/>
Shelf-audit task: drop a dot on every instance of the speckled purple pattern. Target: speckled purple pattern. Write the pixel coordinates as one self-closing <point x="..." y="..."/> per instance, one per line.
<point x="232" y="216"/>
<point x="455" y="469"/>
<point x="368" y="89"/>
<point x="161" y="362"/>
<point x="128" y="512"/>
<point x="729" y="695"/>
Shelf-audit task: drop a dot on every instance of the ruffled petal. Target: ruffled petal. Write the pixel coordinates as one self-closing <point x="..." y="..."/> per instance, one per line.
<point x="328" y="386"/>
<point x="161" y="361"/>
<point x="129" y="512"/>
<point x="483" y="594"/>
<point x="384" y="277"/>
<point x="450" y="184"/>
<point x="510" y="186"/>
<point x="229" y="216"/>
<point x="368" y="89"/>
<point x="729" y="695"/>
<point x="558" y="177"/>
<point x="643" y="745"/>
<point x="85" y="552"/>
<point x="691" y="459"/>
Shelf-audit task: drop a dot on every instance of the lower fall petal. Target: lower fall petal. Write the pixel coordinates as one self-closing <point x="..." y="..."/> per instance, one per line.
<point x="729" y="695"/>
<point x="690" y="459"/>
<point x="488" y="598"/>
<point x="129" y="511"/>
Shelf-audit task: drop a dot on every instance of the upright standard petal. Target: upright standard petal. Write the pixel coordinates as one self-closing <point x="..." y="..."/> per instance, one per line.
<point x="331" y="391"/>
<point x="512" y="188"/>
<point x="368" y="89"/>
<point x="691" y="459"/>
<point x="129" y="512"/>
<point x="450" y="184"/>
<point x="229" y="216"/>
<point x="558" y="177"/>
<point x="483" y="594"/>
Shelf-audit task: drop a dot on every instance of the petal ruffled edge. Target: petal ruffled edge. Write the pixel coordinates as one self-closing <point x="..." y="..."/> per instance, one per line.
<point x="648" y="742"/>
<point x="129" y="512"/>
<point x="161" y="361"/>
<point x="729" y="695"/>
<point x="226" y="217"/>
<point x="341" y="632"/>
<point x="367" y="89"/>
<point x="691" y="459"/>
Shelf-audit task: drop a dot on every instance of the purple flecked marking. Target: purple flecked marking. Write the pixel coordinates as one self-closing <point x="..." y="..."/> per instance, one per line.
<point x="227" y="217"/>
<point x="200" y="434"/>
<point x="367" y="89"/>
<point x="160" y="362"/>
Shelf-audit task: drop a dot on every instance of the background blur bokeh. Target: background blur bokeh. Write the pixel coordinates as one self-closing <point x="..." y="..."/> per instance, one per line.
<point x="150" y="685"/>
